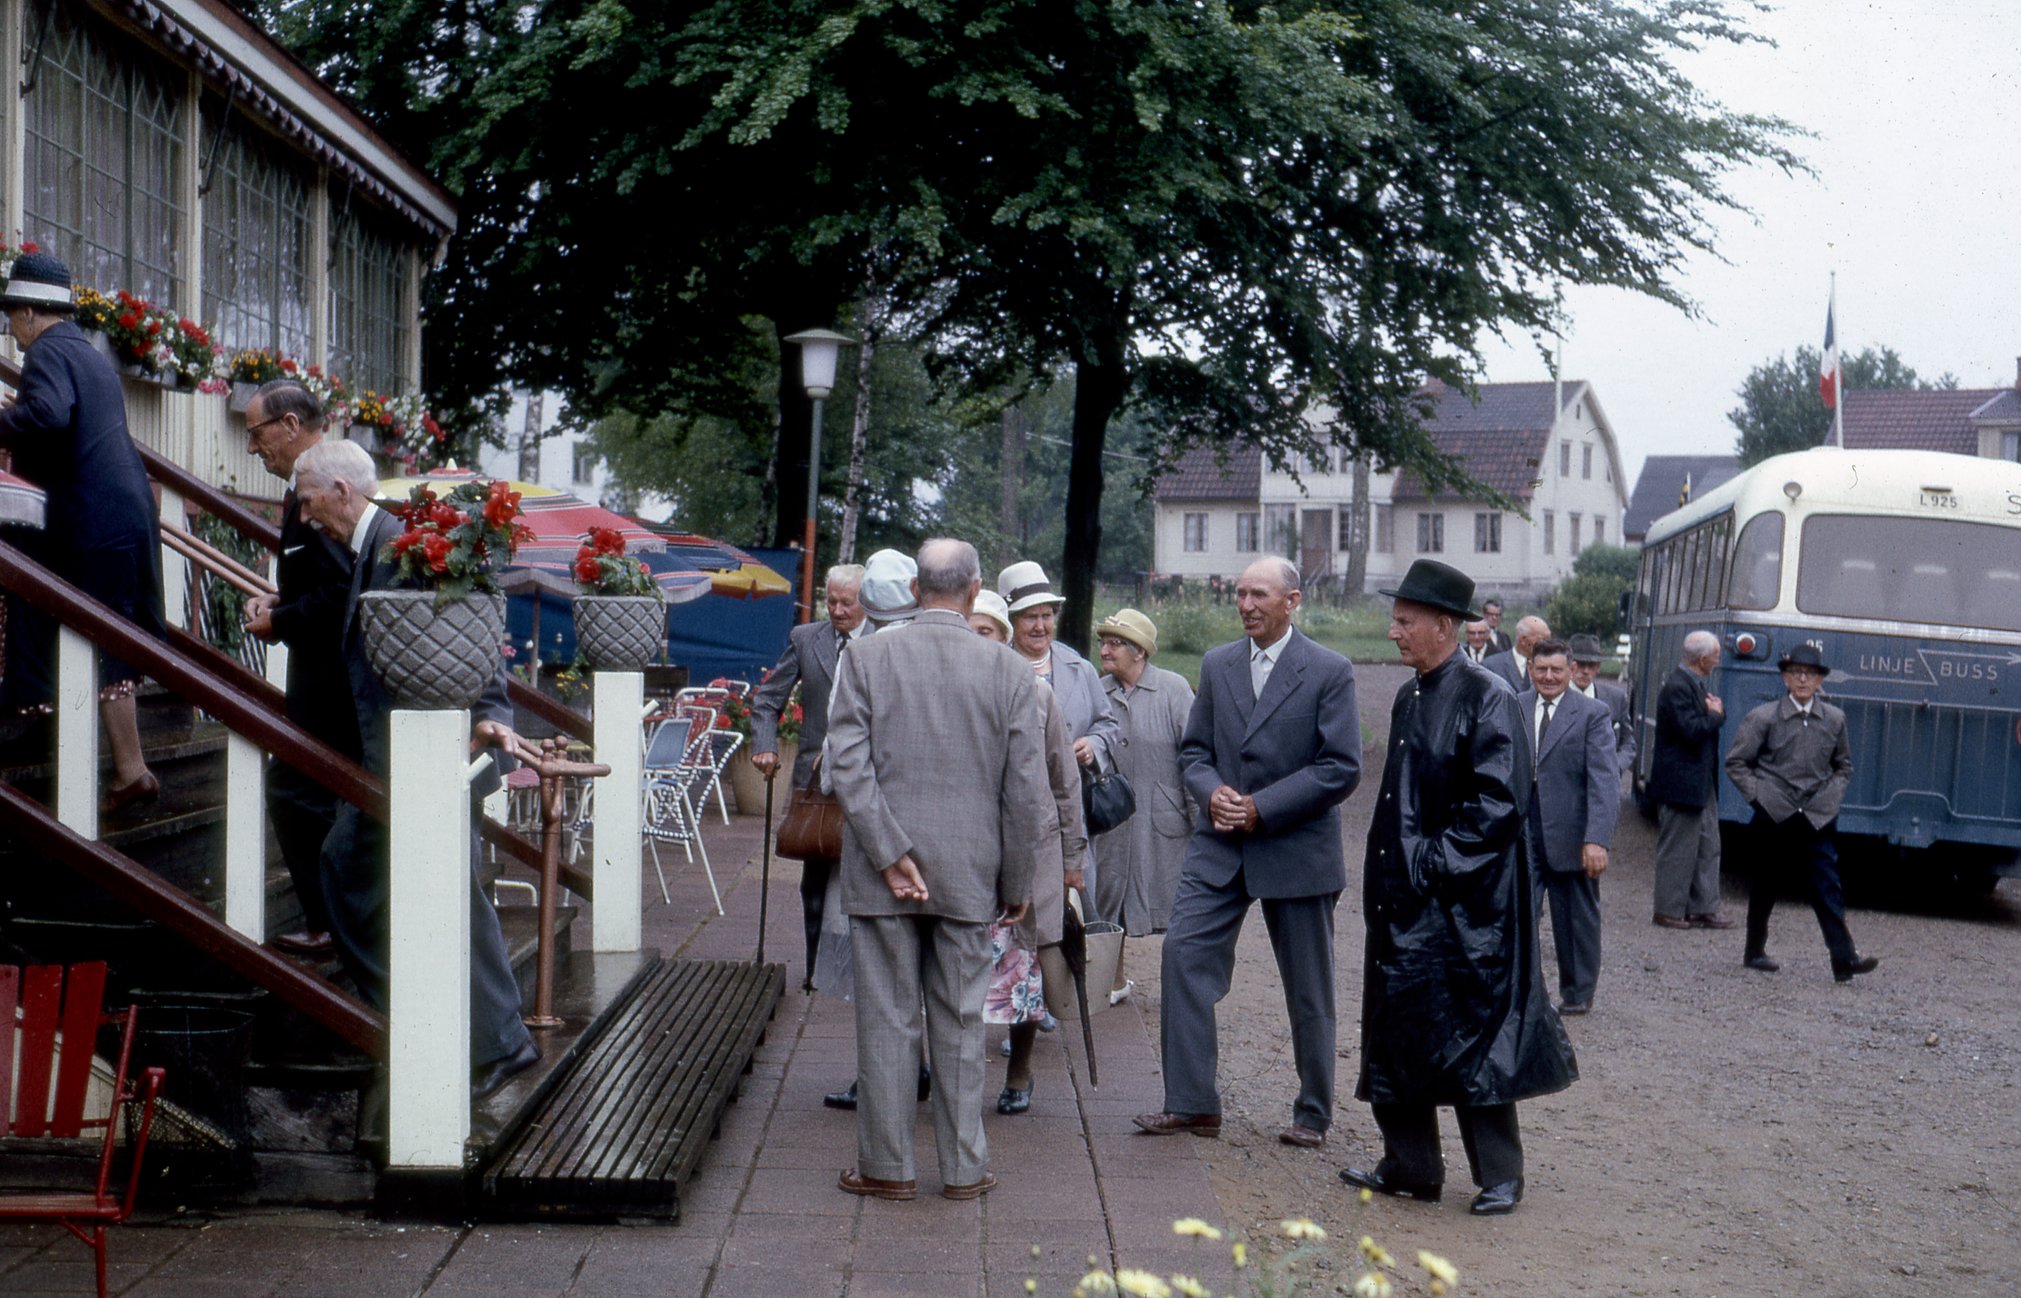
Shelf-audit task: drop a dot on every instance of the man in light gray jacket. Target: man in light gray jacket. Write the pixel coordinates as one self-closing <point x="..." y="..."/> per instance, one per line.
<point x="936" y="755"/>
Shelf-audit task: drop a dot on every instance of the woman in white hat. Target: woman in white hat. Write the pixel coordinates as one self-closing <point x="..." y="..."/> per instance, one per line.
<point x="1141" y="857"/>
<point x="1016" y="994"/>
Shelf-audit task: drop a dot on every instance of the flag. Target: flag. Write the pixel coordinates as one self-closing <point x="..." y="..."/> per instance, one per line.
<point x="1829" y="377"/>
<point x="1684" y="496"/>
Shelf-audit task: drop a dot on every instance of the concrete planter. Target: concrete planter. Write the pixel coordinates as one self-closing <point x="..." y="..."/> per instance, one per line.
<point x="619" y="633"/>
<point x="429" y="657"/>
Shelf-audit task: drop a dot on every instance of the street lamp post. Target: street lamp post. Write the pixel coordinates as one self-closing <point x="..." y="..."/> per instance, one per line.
<point x="819" y="349"/>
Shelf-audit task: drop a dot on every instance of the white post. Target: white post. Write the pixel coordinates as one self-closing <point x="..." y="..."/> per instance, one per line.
<point x="428" y="903"/>
<point x="277" y="666"/>
<point x="245" y="837"/>
<point x="619" y="917"/>
<point x="76" y="732"/>
<point x="174" y="567"/>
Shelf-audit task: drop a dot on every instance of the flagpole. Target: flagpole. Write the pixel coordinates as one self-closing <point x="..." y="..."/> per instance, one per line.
<point x="1839" y="406"/>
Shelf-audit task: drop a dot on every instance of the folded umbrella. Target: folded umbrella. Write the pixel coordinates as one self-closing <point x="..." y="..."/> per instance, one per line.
<point x="1074" y="950"/>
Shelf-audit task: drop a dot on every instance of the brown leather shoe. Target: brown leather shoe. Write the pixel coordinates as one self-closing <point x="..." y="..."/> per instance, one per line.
<point x="1670" y="921"/>
<point x="1303" y="1137"/>
<point x="1709" y="921"/>
<point x="870" y="1187"/>
<point x="973" y="1190"/>
<point x="316" y="946"/>
<point x="1171" y="1124"/>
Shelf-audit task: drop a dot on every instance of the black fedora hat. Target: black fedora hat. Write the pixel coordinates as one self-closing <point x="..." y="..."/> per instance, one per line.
<point x="1440" y="586"/>
<point x="1804" y="655"/>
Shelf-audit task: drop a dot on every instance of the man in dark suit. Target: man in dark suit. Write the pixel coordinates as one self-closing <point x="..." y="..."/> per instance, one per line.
<point x="312" y="575"/>
<point x="336" y="481"/>
<point x="1498" y="639"/>
<point x="1272" y="747"/>
<point x="1573" y="804"/>
<point x="809" y="662"/>
<point x="1684" y="785"/>
<point x="1513" y="664"/>
<point x="1586" y="658"/>
<point x="1477" y="647"/>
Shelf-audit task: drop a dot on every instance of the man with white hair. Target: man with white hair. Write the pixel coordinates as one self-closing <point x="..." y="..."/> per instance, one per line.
<point x="335" y="482"/>
<point x="1513" y="664"/>
<point x="1684" y="785"/>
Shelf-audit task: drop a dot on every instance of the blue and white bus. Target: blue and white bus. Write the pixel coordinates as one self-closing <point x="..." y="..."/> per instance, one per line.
<point x="1904" y="569"/>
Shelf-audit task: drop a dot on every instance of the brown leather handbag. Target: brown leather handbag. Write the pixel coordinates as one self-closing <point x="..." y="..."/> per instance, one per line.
<point x="812" y="830"/>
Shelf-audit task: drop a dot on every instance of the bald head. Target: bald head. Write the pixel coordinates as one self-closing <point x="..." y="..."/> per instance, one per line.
<point x="1266" y="595"/>
<point x="950" y="574"/>
<point x="1701" y="652"/>
<point x="1529" y="633"/>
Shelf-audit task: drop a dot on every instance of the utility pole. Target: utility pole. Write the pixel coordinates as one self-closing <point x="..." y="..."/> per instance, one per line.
<point x="1012" y="453"/>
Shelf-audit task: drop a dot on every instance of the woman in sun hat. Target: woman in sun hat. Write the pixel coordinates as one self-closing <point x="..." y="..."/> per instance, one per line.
<point x="1141" y="857"/>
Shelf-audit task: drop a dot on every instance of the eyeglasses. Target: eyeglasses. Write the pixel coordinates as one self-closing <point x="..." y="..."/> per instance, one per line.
<point x="253" y="430"/>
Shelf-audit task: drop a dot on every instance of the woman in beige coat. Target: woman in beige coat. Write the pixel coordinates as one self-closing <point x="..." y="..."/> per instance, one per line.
<point x="1141" y="857"/>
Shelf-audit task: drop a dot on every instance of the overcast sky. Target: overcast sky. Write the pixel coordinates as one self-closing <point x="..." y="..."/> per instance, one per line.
<point x="1916" y="110"/>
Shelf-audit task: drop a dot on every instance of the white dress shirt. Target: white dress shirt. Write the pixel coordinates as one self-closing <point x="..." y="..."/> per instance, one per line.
<point x="1262" y="659"/>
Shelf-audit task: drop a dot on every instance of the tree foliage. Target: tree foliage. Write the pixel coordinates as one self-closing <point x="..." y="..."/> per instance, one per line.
<point x="1589" y="601"/>
<point x="1782" y="408"/>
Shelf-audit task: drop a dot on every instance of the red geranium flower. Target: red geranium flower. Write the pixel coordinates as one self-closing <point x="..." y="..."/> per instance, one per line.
<point x="437" y="547"/>
<point x="586" y="569"/>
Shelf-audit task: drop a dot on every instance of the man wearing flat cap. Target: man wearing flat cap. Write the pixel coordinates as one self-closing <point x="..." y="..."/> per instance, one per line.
<point x="1454" y="1010"/>
<point x="1791" y="761"/>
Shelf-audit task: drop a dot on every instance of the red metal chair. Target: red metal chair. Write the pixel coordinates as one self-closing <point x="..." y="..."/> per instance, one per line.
<point x="45" y="1097"/>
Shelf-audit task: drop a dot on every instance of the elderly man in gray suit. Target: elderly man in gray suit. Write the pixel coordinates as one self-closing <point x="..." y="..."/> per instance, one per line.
<point x="938" y="760"/>
<point x="1570" y="820"/>
<point x="1272" y="748"/>
<point x="1513" y="664"/>
<point x="809" y="662"/>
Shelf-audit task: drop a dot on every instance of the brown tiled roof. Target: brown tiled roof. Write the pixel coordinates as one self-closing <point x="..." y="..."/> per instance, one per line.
<point x="1502" y="437"/>
<point x="1924" y="419"/>
<point x="1199" y="476"/>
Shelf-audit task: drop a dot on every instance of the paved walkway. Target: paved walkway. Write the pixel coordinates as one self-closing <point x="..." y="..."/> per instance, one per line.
<point x="764" y="1217"/>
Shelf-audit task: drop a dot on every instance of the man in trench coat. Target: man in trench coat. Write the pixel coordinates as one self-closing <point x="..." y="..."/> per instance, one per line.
<point x="1454" y="1010"/>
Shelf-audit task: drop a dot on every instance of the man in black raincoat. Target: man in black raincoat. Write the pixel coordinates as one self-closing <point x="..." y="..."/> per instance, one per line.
<point x="1454" y="1010"/>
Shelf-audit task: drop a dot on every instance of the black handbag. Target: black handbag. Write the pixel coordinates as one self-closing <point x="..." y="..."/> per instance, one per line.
<point x="1106" y="800"/>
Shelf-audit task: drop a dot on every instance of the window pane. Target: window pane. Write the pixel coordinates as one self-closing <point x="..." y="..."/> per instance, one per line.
<point x="1910" y="570"/>
<point x="368" y="332"/>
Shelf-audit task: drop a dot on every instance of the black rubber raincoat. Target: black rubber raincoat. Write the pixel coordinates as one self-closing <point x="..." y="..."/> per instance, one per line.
<point x="1453" y="1003"/>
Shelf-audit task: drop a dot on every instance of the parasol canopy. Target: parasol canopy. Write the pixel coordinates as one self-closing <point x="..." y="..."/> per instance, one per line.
<point x="734" y="572"/>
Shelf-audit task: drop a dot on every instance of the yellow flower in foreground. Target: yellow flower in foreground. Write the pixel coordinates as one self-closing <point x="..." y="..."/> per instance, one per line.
<point x="1439" y="1267"/>
<point x="1376" y="1254"/>
<point x="1367" y="1195"/>
<point x="1373" y="1284"/>
<point x="1195" y="1227"/>
<point x="1241" y="1255"/>
<point x="1031" y="1285"/>
<point x="1096" y="1282"/>
<point x="1192" y="1288"/>
<point x="1142" y="1284"/>
<point x="1300" y="1228"/>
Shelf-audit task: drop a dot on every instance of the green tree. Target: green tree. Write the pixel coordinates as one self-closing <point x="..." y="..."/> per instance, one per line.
<point x="1782" y="408"/>
<point x="1589" y="601"/>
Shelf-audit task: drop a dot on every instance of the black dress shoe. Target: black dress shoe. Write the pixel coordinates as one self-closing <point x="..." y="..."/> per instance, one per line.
<point x="1171" y="1124"/>
<point x="1861" y="964"/>
<point x="841" y="1099"/>
<point x="1014" y="1099"/>
<point x="1575" y="1007"/>
<point x="489" y="1077"/>
<point x="1498" y="1199"/>
<point x="1382" y="1182"/>
<point x="1761" y="964"/>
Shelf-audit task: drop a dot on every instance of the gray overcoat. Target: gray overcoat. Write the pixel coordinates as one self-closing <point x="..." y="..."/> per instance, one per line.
<point x="1141" y="857"/>
<point x="1784" y="762"/>
<point x="809" y="662"/>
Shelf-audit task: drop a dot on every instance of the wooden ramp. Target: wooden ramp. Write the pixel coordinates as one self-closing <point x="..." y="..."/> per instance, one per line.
<point x="621" y="1133"/>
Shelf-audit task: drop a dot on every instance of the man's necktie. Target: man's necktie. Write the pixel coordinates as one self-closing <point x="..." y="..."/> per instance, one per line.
<point x="1543" y="725"/>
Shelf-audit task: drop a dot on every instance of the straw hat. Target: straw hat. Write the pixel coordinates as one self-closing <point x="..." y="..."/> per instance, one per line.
<point x="991" y="605"/>
<point x="1024" y="585"/>
<point x="1132" y="627"/>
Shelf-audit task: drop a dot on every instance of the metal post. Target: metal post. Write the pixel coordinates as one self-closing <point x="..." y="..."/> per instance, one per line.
<point x="428" y="904"/>
<point x="618" y="868"/>
<point x="543" y="1015"/>
<point x="76" y="732"/>
<point x="245" y="837"/>
<point x="813" y="515"/>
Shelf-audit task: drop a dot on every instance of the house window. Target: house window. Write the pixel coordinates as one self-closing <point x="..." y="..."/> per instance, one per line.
<point x="1550" y="532"/>
<point x="1586" y="462"/>
<point x="1564" y="459"/>
<point x="1196" y="533"/>
<point x="1344" y="528"/>
<point x="583" y="458"/>
<point x="1246" y="539"/>
<point x="2010" y="446"/>
<point x="1431" y="533"/>
<point x="1599" y="530"/>
<point x="104" y="131"/>
<point x="1280" y="529"/>
<point x="1385" y="529"/>
<point x="368" y="328"/>
<point x="1572" y="534"/>
<point x="1488" y="533"/>
<point x="256" y="243"/>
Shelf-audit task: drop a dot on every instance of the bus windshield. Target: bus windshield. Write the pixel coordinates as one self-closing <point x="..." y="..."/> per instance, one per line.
<point x="1911" y="570"/>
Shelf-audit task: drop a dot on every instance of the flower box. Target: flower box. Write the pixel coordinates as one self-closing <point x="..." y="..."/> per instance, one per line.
<point x="241" y="398"/>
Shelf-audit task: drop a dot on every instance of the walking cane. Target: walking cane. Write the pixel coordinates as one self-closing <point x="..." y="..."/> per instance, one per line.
<point x="765" y="871"/>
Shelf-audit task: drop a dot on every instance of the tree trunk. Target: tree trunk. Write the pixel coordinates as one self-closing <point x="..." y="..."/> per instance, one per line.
<point x="1010" y="529"/>
<point x="1355" y="581"/>
<point x="1098" y="393"/>
<point x="529" y="439"/>
<point x="859" y="430"/>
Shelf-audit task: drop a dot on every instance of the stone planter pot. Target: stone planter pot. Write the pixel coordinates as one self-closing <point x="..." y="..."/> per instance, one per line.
<point x="429" y="657"/>
<point x="619" y="633"/>
<point x="241" y="399"/>
<point x="748" y="787"/>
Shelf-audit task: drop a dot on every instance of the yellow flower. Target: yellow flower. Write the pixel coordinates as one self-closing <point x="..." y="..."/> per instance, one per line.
<point x="1142" y="1284"/>
<point x="1096" y="1282"/>
<point x="1037" y="1252"/>
<point x="1367" y="1195"/>
<point x="1376" y="1254"/>
<point x="1437" y="1289"/>
<point x="1241" y="1255"/>
<point x="1195" y="1227"/>
<point x="1031" y="1285"/>
<point x="1192" y="1288"/>
<point x="1439" y="1267"/>
<point x="1373" y="1284"/>
<point x="1300" y="1228"/>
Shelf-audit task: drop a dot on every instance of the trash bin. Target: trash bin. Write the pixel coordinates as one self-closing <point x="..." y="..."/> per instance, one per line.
<point x="200" y="1129"/>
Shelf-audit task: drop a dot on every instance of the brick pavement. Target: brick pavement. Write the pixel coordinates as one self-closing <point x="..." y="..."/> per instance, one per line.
<point x="763" y="1217"/>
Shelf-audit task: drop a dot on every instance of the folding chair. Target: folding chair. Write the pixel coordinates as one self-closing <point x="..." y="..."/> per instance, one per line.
<point x="676" y="780"/>
<point x="45" y="1097"/>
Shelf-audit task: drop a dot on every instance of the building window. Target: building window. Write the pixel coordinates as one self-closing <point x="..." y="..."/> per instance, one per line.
<point x="1196" y="533"/>
<point x="1599" y="530"/>
<point x="1564" y="459"/>
<point x="1586" y="462"/>
<point x="256" y="243"/>
<point x="1343" y="527"/>
<point x="1280" y="529"/>
<point x="1550" y="532"/>
<point x="2010" y="446"/>
<point x="1385" y="529"/>
<point x="104" y="161"/>
<point x="1431" y="533"/>
<point x="1572" y="534"/>
<point x="583" y="460"/>
<point x="1246" y="539"/>
<point x="368" y="284"/>
<point x="1488" y="533"/>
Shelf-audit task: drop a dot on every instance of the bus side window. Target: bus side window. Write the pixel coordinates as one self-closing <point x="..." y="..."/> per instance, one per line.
<point x="1757" y="563"/>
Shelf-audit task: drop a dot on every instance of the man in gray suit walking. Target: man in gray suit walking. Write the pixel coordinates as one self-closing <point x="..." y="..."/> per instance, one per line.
<point x="937" y="758"/>
<point x="1272" y="748"/>
<point x="1573" y="804"/>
